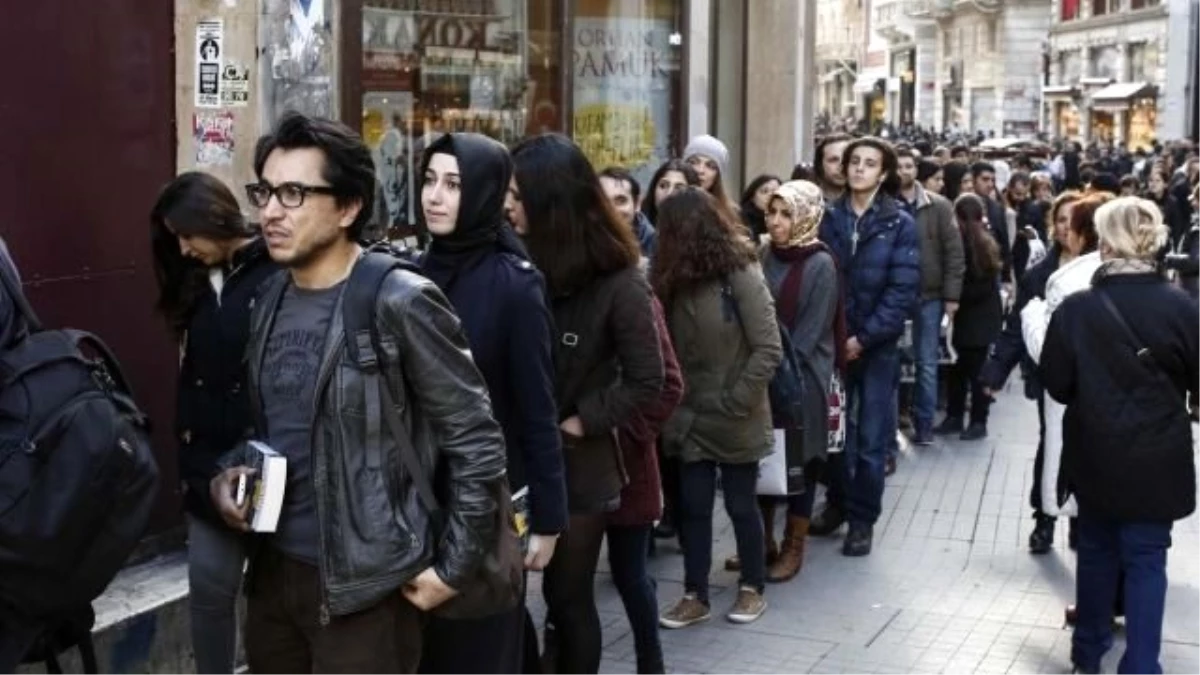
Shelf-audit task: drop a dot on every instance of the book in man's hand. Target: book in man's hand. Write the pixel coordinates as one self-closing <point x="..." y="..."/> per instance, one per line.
<point x="267" y="486"/>
<point x="520" y="508"/>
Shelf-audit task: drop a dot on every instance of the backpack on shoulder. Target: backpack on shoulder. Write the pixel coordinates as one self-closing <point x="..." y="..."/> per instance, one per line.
<point x="78" y="481"/>
<point x="499" y="584"/>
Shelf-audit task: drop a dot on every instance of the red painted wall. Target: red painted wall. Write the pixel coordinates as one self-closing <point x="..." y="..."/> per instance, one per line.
<point x="87" y="139"/>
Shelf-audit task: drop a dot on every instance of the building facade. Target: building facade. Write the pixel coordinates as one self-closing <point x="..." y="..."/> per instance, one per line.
<point x="1119" y="70"/>
<point x="987" y="66"/>
<point x="912" y="61"/>
<point x="839" y="50"/>
<point x="629" y="81"/>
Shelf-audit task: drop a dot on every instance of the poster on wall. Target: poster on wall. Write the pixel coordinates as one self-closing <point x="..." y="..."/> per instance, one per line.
<point x="212" y="133"/>
<point x="210" y="37"/>
<point x="623" y="73"/>
<point x="386" y="117"/>
<point x="235" y="85"/>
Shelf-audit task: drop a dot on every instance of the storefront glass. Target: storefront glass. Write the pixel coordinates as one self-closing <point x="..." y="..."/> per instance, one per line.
<point x="1068" y="120"/>
<point x="431" y="66"/>
<point x="627" y="77"/>
<point x="1143" y="117"/>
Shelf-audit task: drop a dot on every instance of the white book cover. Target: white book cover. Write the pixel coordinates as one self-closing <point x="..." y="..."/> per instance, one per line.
<point x="266" y="502"/>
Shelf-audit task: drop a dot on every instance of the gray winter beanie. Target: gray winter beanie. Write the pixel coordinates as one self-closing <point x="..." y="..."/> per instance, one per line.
<point x="710" y="147"/>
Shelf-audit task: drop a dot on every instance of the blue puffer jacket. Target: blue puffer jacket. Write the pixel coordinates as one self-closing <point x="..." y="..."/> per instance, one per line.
<point x="880" y="264"/>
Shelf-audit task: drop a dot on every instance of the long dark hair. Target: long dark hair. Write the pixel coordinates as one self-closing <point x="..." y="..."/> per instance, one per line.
<point x="194" y="204"/>
<point x="984" y="252"/>
<point x="952" y="176"/>
<point x="649" y="208"/>
<point x="574" y="235"/>
<point x="696" y="242"/>
<point x="748" y="193"/>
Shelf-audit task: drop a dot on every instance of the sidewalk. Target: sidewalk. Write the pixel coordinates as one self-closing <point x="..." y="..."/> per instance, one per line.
<point x="950" y="586"/>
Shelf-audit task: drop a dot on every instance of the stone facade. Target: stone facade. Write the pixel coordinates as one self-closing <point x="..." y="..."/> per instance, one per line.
<point x="988" y="63"/>
<point x="1135" y="49"/>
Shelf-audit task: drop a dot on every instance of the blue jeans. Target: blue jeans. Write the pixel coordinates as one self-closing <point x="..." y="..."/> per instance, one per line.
<point x="627" y="553"/>
<point x="1107" y="548"/>
<point x="698" y="482"/>
<point x="870" y="429"/>
<point x="927" y="327"/>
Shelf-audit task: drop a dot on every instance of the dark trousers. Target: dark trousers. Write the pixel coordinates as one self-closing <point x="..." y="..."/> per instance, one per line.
<point x="668" y="468"/>
<point x="1107" y="549"/>
<point x="284" y="632"/>
<point x="801" y="505"/>
<point x="964" y="377"/>
<point x="870" y="428"/>
<point x="1039" y="460"/>
<point x="627" y="554"/>
<point x="497" y="644"/>
<point x="739" y="483"/>
<point x="569" y="589"/>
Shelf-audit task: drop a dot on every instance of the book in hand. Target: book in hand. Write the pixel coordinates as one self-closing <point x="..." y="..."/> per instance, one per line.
<point x="265" y="489"/>
<point x="520" y="515"/>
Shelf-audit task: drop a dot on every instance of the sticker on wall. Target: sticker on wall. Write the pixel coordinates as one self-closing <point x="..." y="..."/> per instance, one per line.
<point x="235" y="85"/>
<point x="213" y="134"/>
<point x="210" y="36"/>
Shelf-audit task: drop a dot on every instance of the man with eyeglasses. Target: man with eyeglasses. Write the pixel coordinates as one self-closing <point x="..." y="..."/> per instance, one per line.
<point x="340" y="585"/>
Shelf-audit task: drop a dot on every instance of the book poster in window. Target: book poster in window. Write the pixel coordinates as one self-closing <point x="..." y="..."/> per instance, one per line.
<point x="623" y="75"/>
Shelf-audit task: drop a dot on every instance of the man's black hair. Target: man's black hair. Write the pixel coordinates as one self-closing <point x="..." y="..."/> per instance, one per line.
<point x="618" y="173"/>
<point x="979" y="168"/>
<point x="348" y="168"/>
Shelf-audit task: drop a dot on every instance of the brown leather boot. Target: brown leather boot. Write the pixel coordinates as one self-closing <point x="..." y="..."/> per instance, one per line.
<point x="791" y="557"/>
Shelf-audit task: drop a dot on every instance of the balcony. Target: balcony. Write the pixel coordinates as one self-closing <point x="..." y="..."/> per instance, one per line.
<point x="890" y="20"/>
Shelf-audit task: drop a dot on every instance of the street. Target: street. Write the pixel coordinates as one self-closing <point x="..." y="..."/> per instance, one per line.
<point x="950" y="586"/>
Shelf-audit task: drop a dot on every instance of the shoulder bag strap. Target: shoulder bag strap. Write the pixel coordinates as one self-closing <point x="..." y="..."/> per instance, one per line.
<point x="1143" y="353"/>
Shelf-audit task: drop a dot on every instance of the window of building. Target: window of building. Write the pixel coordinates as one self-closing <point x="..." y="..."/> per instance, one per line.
<point x="490" y="66"/>
<point x="1137" y="62"/>
<point x="1070" y="67"/>
<point x="1069" y="10"/>
<point x="627" y="83"/>
<point x="1105" y="62"/>
<point x="993" y="36"/>
<point x="1102" y="7"/>
<point x="1142" y="4"/>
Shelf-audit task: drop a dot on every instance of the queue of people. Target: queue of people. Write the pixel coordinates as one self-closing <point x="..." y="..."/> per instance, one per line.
<point x="607" y="350"/>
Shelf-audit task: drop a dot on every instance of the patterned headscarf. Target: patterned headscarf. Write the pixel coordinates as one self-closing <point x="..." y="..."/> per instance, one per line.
<point x="807" y="204"/>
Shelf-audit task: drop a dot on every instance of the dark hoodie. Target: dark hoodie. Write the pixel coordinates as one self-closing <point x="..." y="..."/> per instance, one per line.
<point x="500" y="297"/>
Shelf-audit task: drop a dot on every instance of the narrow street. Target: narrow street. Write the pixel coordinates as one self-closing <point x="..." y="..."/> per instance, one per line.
<point x="950" y="587"/>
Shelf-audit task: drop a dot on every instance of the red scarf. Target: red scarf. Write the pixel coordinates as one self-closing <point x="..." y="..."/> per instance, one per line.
<point x="789" y="294"/>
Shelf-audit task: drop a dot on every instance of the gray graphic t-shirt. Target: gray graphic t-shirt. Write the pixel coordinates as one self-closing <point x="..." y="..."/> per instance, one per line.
<point x="288" y="383"/>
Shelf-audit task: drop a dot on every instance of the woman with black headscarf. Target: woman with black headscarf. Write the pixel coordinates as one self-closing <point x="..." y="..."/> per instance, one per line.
<point x="481" y="266"/>
<point x="956" y="179"/>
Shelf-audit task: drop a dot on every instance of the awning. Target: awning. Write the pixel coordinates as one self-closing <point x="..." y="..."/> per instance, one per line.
<point x="1059" y="92"/>
<point x="866" y="83"/>
<point x="1120" y="95"/>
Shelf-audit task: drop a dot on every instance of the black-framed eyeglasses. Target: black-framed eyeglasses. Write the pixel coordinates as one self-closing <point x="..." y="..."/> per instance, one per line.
<point x="290" y="194"/>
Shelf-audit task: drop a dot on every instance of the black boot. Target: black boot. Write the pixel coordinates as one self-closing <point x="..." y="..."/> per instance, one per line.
<point x="827" y="521"/>
<point x="975" y="432"/>
<point x="1042" y="537"/>
<point x="858" y="540"/>
<point x="950" y="425"/>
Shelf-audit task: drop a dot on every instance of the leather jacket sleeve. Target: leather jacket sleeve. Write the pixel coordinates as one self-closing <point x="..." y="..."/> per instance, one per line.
<point x="451" y="395"/>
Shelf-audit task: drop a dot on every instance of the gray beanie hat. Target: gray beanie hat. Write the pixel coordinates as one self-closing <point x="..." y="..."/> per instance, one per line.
<point x="710" y="147"/>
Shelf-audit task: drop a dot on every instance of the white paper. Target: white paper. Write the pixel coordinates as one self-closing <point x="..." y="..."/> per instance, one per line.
<point x="210" y="49"/>
<point x="772" y="469"/>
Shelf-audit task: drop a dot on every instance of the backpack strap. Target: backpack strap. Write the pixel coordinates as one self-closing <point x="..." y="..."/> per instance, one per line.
<point x="363" y="346"/>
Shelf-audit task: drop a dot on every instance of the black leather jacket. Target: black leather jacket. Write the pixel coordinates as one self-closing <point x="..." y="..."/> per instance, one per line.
<point x="374" y="534"/>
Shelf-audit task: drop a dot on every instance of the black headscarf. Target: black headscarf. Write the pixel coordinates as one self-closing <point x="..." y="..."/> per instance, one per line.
<point x="485" y="168"/>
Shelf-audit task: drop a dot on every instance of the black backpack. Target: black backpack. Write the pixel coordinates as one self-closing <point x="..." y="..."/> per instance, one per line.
<point x="498" y="586"/>
<point x="78" y="481"/>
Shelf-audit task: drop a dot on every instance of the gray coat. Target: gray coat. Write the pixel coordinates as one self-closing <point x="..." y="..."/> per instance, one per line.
<point x="813" y="340"/>
<point x="942" y="262"/>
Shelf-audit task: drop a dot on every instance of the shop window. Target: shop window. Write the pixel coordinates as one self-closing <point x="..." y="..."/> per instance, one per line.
<point x="487" y="66"/>
<point x="1106" y="62"/>
<point x="627" y="82"/>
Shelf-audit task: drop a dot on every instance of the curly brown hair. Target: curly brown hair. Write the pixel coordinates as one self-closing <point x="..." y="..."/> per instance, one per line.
<point x="1083" y="219"/>
<point x="697" y="242"/>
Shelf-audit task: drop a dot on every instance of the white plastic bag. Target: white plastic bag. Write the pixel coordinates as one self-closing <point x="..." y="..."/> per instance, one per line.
<point x="772" y="469"/>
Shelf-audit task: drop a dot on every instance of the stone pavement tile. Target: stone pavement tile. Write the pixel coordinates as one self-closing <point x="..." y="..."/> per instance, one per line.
<point x="950" y="588"/>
